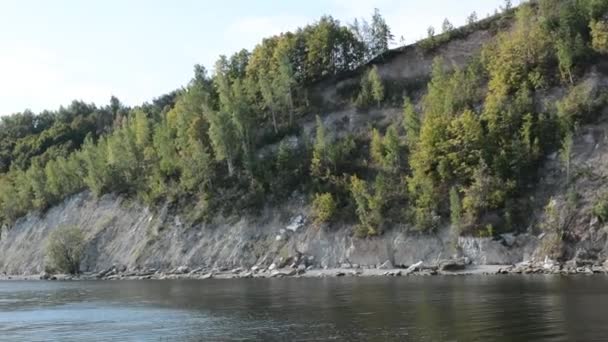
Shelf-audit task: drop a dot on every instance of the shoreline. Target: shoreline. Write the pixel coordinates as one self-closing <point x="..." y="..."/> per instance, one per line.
<point x="449" y="269"/>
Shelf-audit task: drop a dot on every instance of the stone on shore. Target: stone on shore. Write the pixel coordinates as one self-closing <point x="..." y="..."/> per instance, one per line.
<point x="413" y="268"/>
<point x="387" y="265"/>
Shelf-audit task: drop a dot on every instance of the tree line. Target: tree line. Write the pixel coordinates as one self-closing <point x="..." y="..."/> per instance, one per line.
<point x="465" y="152"/>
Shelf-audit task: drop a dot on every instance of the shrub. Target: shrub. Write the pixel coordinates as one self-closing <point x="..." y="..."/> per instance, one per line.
<point x="600" y="209"/>
<point x="64" y="249"/>
<point x="553" y="225"/>
<point x="323" y="208"/>
<point x="371" y="89"/>
<point x="599" y="36"/>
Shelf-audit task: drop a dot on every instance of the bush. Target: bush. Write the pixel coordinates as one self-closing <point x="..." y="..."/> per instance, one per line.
<point x="64" y="249"/>
<point x="600" y="209"/>
<point x="554" y="224"/>
<point x="323" y="208"/>
<point x="599" y="36"/>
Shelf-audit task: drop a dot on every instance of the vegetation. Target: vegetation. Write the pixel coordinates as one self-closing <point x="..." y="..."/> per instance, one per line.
<point x="600" y="209"/>
<point x="466" y="151"/>
<point x="372" y="89"/>
<point x="64" y="250"/>
<point x="323" y="208"/>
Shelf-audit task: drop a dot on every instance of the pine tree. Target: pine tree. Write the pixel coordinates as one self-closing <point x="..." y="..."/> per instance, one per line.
<point x="142" y="129"/>
<point x="377" y="149"/>
<point x="392" y="149"/>
<point x="377" y="88"/>
<point x="381" y="35"/>
<point x="411" y="123"/>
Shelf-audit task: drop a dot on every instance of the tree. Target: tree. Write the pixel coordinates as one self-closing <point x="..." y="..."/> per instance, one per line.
<point x="98" y="176"/>
<point x="323" y="208"/>
<point x="472" y="18"/>
<point x="64" y="249"/>
<point x="371" y="89"/>
<point x="568" y="51"/>
<point x="196" y="167"/>
<point x="284" y="83"/>
<point x="446" y="26"/>
<point x="142" y="129"/>
<point x="361" y="196"/>
<point x="377" y="88"/>
<point x="385" y="152"/>
<point x="455" y="211"/>
<point x="599" y="36"/>
<point x="411" y="122"/>
<point x="318" y="165"/>
<point x="376" y="37"/>
<point x="223" y="138"/>
<point x="380" y="34"/>
<point x="377" y="148"/>
<point x="566" y="154"/>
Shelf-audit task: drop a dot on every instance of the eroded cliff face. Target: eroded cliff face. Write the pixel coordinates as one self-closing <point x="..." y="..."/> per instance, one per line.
<point x="122" y="233"/>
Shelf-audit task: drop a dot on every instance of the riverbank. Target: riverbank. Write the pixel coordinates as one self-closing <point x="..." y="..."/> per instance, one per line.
<point x="454" y="267"/>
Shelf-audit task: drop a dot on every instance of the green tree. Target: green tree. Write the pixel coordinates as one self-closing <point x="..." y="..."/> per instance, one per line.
<point x="455" y="211"/>
<point x="318" y="166"/>
<point x="223" y="139"/>
<point x="411" y="123"/>
<point x="64" y="249"/>
<point x="447" y="26"/>
<point x="371" y="89"/>
<point x="566" y="154"/>
<point x="599" y="36"/>
<point x="323" y="208"/>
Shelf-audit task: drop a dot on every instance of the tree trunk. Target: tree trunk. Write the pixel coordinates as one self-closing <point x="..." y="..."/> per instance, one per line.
<point x="274" y="122"/>
<point x="230" y="167"/>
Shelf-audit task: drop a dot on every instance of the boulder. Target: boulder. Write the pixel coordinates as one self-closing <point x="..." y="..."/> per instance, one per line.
<point x="508" y="239"/>
<point x="196" y="270"/>
<point x="182" y="270"/>
<point x="301" y="269"/>
<point x="272" y="267"/>
<point x="296" y="223"/>
<point x="452" y="265"/>
<point x="594" y="223"/>
<point x="45" y="276"/>
<point x="106" y="272"/>
<point x="387" y="265"/>
<point x="413" y="268"/>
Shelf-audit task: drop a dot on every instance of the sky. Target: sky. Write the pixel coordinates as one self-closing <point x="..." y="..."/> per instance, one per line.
<point x="53" y="52"/>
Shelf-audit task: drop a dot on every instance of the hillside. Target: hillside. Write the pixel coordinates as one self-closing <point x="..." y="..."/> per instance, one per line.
<point x="486" y="141"/>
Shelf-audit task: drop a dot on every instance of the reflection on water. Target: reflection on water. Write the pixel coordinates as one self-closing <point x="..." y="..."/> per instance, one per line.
<point x="501" y="308"/>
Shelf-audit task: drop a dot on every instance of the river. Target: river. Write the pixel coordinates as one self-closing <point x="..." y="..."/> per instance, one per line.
<point x="456" y="308"/>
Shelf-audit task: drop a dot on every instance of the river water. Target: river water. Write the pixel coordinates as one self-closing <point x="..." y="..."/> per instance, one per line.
<point x="470" y="308"/>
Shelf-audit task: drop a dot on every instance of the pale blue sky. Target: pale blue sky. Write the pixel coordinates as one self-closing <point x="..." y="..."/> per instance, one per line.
<point x="55" y="51"/>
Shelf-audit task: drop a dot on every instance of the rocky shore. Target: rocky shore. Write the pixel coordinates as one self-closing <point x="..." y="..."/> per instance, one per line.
<point x="461" y="266"/>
